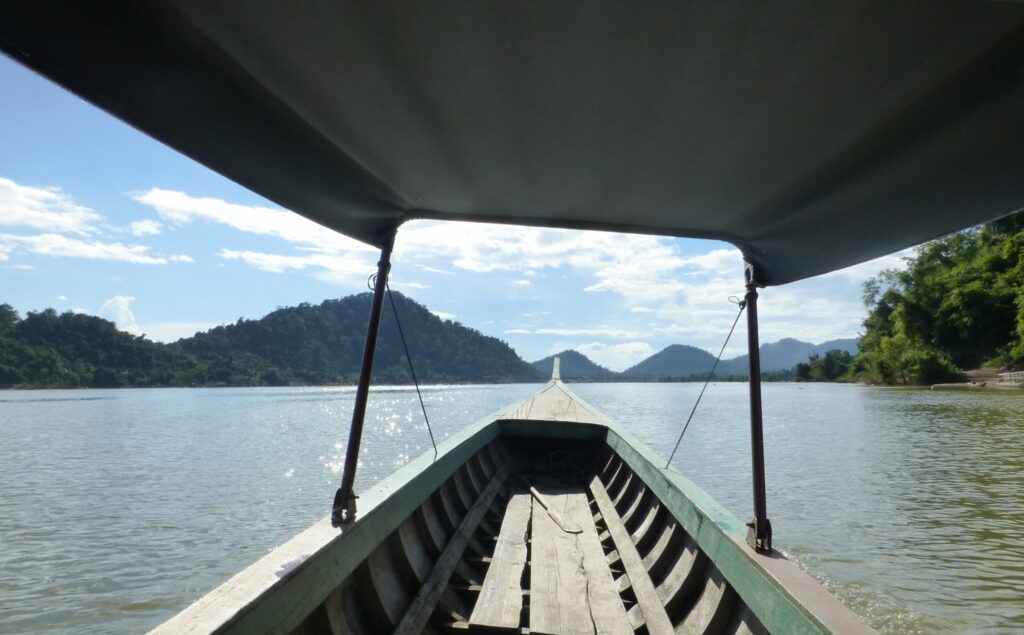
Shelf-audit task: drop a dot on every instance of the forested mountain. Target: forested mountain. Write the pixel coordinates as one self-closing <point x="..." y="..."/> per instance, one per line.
<point x="316" y="345"/>
<point x="71" y="350"/>
<point x="784" y="355"/>
<point x="307" y="344"/>
<point x="677" y="360"/>
<point x="958" y="305"/>
<point x="575" y="366"/>
<point x="323" y="344"/>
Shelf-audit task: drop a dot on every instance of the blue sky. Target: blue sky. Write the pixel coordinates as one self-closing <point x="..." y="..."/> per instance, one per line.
<point x="99" y="218"/>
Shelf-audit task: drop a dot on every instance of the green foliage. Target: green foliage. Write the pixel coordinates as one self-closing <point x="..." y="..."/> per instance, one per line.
<point x="307" y="345"/>
<point x="959" y="304"/>
<point x="831" y="367"/>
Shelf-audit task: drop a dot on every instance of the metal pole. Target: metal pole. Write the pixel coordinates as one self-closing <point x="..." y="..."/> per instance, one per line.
<point x="344" y="509"/>
<point x="759" y="532"/>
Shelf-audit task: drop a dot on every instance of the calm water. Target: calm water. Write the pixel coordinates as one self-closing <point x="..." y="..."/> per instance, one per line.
<point x="119" y="508"/>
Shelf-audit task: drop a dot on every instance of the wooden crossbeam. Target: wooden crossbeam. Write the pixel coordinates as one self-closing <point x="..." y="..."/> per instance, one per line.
<point x="423" y="604"/>
<point x="655" y="617"/>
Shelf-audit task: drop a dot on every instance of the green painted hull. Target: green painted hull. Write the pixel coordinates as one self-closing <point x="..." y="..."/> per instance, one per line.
<point x="417" y="555"/>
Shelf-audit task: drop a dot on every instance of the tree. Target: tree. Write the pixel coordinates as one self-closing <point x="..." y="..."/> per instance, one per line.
<point x="959" y="304"/>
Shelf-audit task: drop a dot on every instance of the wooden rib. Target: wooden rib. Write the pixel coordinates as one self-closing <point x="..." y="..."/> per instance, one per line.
<point x="646" y="522"/>
<point x="500" y="455"/>
<point x="713" y="609"/>
<point x="664" y="552"/>
<point x="344" y="612"/>
<point x="420" y="560"/>
<point x="619" y="481"/>
<point x="609" y="465"/>
<point x="476" y="481"/>
<point x="644" y="500"/>
<point x="654" y="613"/>
<point x="433" y="521"/>
<point x="387" y="583"/>
<point x="419" y="611"/>
<point x="571" y="588"/>
<point x="466" y="497"/>
<point x="450" y="511"/>
<point x="684" y="579"/>
<point x="487" y="464"/>
<point x="500" y="603"/>
<point x="370" y="601"/>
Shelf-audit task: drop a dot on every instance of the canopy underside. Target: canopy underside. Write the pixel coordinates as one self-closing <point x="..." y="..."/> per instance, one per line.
<point x="813" y="135"/>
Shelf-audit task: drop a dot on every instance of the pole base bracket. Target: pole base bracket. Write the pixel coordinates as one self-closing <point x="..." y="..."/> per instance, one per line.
<point x="344" y="509"/>
<point x="759" y="535"/>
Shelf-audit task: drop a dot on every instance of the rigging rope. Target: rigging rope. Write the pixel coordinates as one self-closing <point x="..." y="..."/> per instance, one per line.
<point x="412" y="372"/>
<point x="742" y="304"/>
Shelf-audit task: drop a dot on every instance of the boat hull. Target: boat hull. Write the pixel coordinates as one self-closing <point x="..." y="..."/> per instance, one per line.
<point x="436" y="547"/>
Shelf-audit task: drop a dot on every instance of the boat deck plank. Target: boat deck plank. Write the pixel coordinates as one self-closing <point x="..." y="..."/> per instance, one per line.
<point x="500" y="603"/>
<point x="554" y="403"/>
<point x="571" y="587"/>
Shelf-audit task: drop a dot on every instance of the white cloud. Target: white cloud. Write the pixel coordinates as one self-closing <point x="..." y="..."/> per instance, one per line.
<point x="63" y="298"/>
<point x="44" y="208"/>
<point x="435" y="270"/>
<point x="62" y="246"/>
<point x="398" y="285"/>
<point x="118" y="310"/>
<point x="443" y="315"/>
<point x="181" y="208"/>
<point x="522" y="283"/>
<point x="273" y="263"/>
<point x="599" y="331"/>
<point x="640" y="309"/>
<point x="145" y="228"/>
<point x="617" y="356"/>
<point x="346" y="270"/>
<point x="182" y="258"/>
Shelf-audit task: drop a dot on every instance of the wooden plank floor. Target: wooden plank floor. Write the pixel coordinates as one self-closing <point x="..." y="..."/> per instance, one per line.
<point x="558" y="565"/>
<point x="571" y="587"/>
<point x="501" y="598"/>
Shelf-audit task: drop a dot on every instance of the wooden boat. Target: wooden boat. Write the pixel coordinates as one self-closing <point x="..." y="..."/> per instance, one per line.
<point x="811" y="135"/>
<point x="545" y="518"/>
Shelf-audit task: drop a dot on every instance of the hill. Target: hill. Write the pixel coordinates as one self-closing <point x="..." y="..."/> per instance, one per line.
<point x="72" y="350"/>
<point x="785" y="355"/>
<point x="575" y="366"/>
<point x="677" y="360"/>
<point x="323" y="344"/>
<point x="307" y="344"/>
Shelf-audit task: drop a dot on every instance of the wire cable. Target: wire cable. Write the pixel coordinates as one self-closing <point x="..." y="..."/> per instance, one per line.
<point x="412" y="372"/>
<point x="742" y="305"/>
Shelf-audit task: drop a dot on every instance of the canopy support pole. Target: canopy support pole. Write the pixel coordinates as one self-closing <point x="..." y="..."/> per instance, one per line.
<point x="344" y="510"/>
<point x="759" y="530"/>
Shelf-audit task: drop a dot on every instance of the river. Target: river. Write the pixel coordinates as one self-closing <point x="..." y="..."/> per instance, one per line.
<point x="120" y="507"/>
